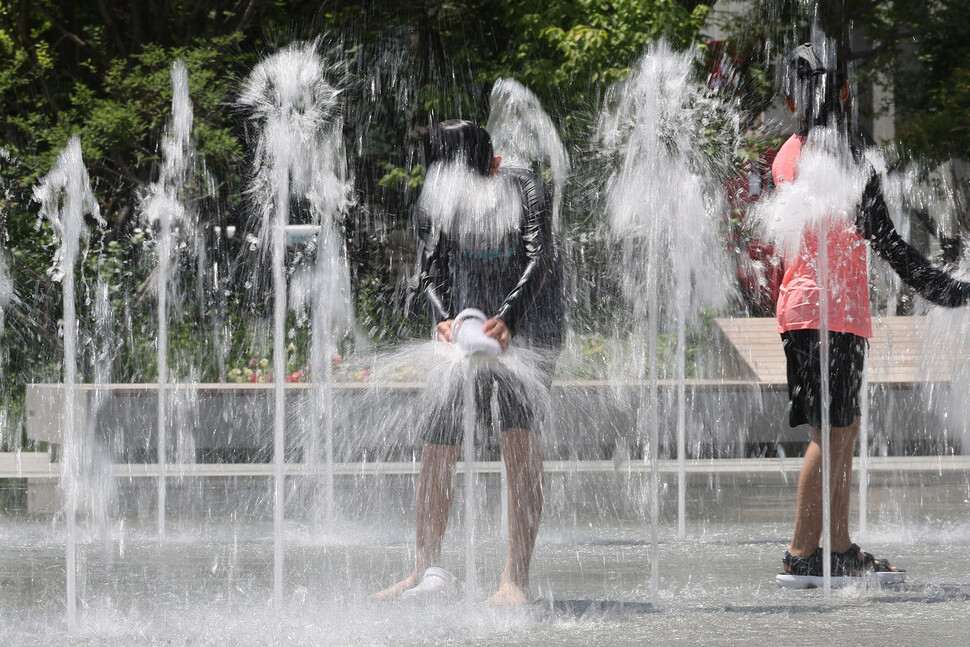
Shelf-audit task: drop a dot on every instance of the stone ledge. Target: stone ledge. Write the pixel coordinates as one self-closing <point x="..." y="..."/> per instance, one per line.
<point x="37" y="465"/>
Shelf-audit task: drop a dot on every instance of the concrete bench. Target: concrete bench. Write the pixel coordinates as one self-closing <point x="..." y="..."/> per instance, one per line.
<point x="896" y="351"/>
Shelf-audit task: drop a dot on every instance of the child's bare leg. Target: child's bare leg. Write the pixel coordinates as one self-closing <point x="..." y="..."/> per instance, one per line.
<point x="435" y="490"/>
<point x="523" y="461"/>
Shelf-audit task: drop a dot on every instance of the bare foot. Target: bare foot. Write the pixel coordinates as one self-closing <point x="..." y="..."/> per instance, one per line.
<point x="391" y="592"/>
<point x="508" y="595"/>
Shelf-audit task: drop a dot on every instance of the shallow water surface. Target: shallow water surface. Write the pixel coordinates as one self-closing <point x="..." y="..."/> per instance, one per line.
<point x="210" y="581"/>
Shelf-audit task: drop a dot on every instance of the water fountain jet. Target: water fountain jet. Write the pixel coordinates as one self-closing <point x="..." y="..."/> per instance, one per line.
<point x="65" y="197"/>
<point x="164" y="206"/>
<point x="659" y="206"/>
<point x="299" y="154"/>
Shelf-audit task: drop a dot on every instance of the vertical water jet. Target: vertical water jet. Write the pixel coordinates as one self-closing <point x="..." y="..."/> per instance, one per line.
<point x="659" y="205"/>
<point x="164" y="207"/>
<point x="65" y="198"/>
<point x="299" y="155"/>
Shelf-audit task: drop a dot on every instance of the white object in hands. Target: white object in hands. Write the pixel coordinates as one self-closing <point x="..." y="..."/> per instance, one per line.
<point x="435" y="583"/>
<point x="466" y="332"/>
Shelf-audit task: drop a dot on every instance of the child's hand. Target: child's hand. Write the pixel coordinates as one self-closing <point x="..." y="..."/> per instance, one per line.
<point x="444" y="330"/>
<point x="496" y="329"/>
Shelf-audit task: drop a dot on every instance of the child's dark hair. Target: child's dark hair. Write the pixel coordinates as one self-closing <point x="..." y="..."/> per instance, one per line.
<point x="461" y="141"/>
<point x="813" y="82"/>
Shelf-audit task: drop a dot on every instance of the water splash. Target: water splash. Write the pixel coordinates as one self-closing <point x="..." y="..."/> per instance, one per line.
<point x="665" y="185"/>
<point x="476" y="210"/>
<point x="299" y="153"/>
<point x="295" y="108"/>
<point x="827" y="188"/>
<point x="660" y="201"/>
<point x="164" y="207"/>
<point x="65" y="198"/>
<point x="523" y="135"/>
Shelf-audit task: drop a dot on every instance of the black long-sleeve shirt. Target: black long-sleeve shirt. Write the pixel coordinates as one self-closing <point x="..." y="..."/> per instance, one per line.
<point x="517" y="279"/>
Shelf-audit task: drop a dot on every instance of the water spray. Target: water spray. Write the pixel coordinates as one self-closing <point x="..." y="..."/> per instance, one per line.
<point x="164" y="207"/>
<point x="660" y="201"/>
<point x="66" y="198"/>
<point x="299" y="153"/>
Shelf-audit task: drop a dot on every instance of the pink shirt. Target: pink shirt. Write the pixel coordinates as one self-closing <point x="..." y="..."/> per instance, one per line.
<point x="798" y="296"/>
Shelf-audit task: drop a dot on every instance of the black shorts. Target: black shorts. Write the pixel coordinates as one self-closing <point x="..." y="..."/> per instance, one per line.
<point x="847" y="354"/>
<point x="522" y="400"/>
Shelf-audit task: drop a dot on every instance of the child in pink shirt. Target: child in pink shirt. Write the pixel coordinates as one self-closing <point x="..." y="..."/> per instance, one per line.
<point x="815" y="93"/>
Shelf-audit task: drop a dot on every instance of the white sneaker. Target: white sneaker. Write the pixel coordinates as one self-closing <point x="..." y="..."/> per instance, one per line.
<point x="467" y="333"/>
<point x="436" y="583"/>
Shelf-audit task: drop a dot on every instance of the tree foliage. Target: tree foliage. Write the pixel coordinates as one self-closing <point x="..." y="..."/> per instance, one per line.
<point x="933" y="96"/>
<point x="918" y="48"/>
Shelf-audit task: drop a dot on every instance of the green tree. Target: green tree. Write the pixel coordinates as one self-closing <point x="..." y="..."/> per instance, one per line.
<point x="917" y="47"/>
<point x="933" y="86"/>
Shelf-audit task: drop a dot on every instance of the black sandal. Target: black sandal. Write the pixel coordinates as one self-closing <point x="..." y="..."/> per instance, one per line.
<point x="811" y="565"/>
<point x="854" y="562"/>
